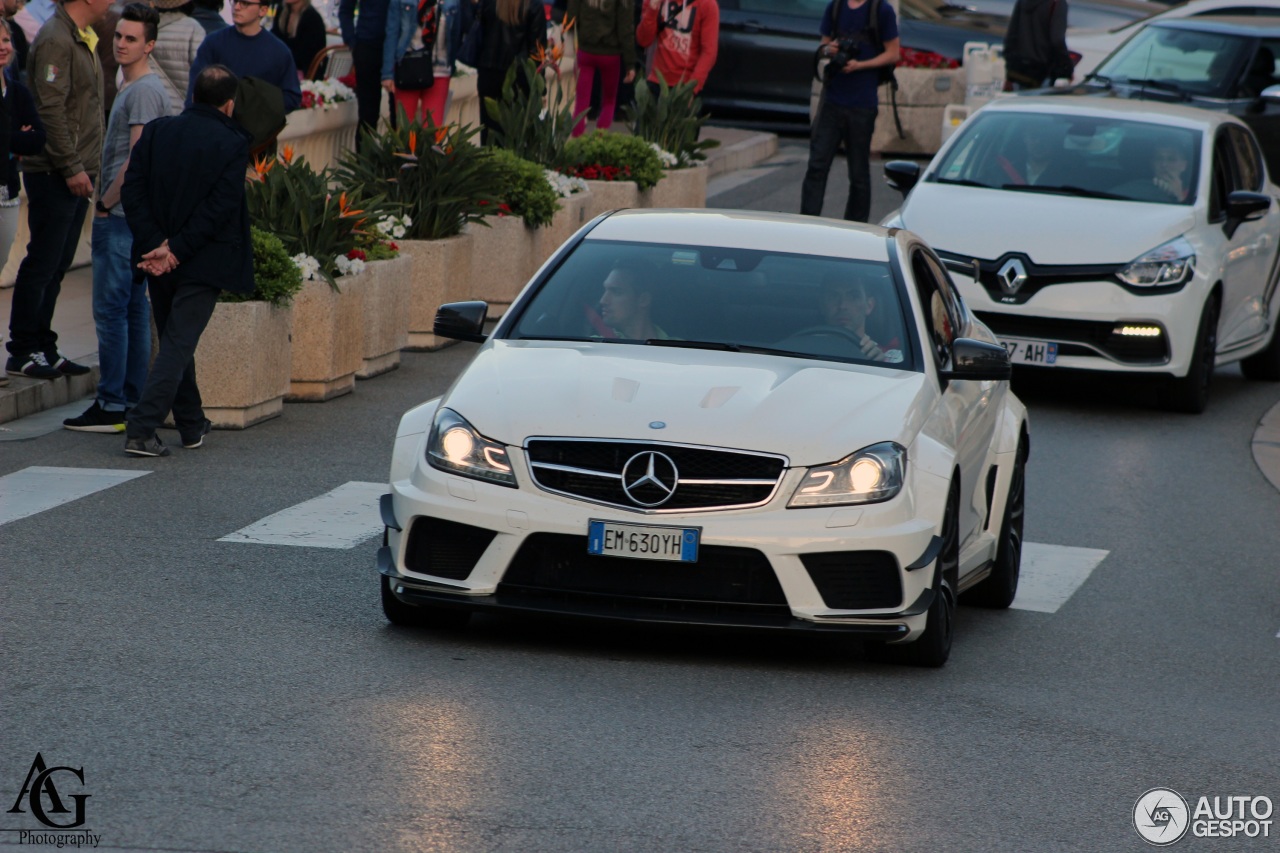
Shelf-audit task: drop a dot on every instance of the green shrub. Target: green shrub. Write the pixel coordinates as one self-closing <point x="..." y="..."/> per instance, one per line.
<point x="672" y="120"/>
<point x="605" y="149"/>
<point x="525" y="188"/>
<point x="379" y="250"/>
<point x="434" y="174"/>
<point x="531" y="123"/>
<point x="276" y="278"/>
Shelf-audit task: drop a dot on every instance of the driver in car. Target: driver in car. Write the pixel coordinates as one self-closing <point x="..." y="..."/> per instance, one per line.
<point x="627" y="301"/>
<point x="847" y="305"/>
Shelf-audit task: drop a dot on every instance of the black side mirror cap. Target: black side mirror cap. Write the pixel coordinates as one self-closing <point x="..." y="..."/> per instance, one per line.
<point x="462" y="321"/>
<point x="978" y="361"/>
<point x="902" y="175"/>
<point x="1244" y="206"/>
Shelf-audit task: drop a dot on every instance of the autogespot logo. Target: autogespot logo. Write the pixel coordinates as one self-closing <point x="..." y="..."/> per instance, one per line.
<point x="1160" y="816"/>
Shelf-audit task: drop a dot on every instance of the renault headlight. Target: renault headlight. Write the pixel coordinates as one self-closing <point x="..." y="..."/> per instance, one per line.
<point x="873" y="474"/>
<point x="455" y="446"/>
<point x="1172" y="263"/>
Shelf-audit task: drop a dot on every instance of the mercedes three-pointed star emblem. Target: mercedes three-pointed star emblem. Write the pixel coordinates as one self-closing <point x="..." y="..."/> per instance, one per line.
<point x="649" y="478"/>
<point x="1012" y="275"/>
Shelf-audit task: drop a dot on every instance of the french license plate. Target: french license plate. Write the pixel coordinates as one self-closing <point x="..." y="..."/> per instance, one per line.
<point x="643" y="541"/>
<point x="1031" y="352"/>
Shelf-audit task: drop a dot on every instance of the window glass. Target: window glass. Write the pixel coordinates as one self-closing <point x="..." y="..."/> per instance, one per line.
<point x="662" y="295"/>
<point x="811" y="9"/>
<point x="1101" y="157"/>
<point x="1196" y="62"/>
<point x="1261" y="71"/>
<point x="1248" y="159"/>
<point x="939" y="313"/>
<point x="1222" y="181"/>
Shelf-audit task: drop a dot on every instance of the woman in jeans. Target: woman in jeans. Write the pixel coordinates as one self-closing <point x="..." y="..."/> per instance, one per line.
<point x="20" y="133"/>
<point x="606" y="43"/>
<point x="414" y="24"/>
<point x="510" y="30"/>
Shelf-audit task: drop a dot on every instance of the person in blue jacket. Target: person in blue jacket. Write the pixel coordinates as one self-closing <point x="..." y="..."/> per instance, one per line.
<point x="405" y="30"/>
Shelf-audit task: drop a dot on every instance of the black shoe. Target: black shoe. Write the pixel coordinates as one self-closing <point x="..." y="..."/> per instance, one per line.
<point x="67" y="367"/>
<point x="34" y="365"/>
<point x="96" y="419"/>
<point x="195" y="438"/>
<point x="145" y="447"/>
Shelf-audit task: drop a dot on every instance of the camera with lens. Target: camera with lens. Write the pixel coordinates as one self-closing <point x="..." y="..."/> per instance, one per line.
<point x="846" y="49"/>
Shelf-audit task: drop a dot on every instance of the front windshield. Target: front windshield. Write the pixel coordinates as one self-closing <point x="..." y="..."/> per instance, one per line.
<point x="1093" y="157"/>
<point x="1196" y="63"/>
<point x="700" y="297"/>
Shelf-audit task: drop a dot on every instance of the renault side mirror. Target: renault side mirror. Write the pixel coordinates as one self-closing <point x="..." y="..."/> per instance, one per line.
<point x="902" y="175"/>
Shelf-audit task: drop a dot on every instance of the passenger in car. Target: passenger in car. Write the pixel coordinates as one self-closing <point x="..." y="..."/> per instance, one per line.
<point x="847" y="305"/>
<point x="1169" y="170"/>
<point x="627" y="303"/>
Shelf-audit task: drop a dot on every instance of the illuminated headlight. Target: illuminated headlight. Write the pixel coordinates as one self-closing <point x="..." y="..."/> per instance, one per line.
<point x="872" y="474"/>
<point x="1172" y="263"/>
<point x="456" y="447"/>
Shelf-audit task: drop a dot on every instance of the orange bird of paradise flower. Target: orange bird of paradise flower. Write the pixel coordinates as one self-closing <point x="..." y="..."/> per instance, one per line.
<point x="286" y="154"/>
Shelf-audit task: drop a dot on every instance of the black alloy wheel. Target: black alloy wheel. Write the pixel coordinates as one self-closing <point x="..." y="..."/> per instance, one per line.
<point x="934" y="646"/>
<point x="417" y="616"/>
<point x="1190" y="394"/>
<point x="998" y="589"/>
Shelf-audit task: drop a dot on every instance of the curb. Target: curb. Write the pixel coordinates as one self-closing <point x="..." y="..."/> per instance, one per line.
<point x="24" y="396"/>
<point x="742" y="154"/>
<point x="1266" y="445"/>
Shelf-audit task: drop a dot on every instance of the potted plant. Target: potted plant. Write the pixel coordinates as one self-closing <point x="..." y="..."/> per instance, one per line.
<point x="671" y="122"/>
<point x="509" y="252"/>
<point x="617" y="168"/>
<point x="239" y="392"/>
<point x="442" y="182"/>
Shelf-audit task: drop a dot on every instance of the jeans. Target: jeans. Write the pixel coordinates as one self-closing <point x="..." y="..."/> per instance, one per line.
<point x="366" y="58"/>
<point x="120" y="314"/>
<point x="55" y="218"/>
<point x="182" y="312"/>
<point x="854" y="125"/>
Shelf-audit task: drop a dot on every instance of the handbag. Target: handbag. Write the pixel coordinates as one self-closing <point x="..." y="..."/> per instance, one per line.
<point x="469" y="52"/>
<point x="415" y="70"/>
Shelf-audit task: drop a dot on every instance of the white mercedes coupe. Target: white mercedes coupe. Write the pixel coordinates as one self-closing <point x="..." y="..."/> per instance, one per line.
<point x="1108" y="234"/>
<point x="722" y="419"/>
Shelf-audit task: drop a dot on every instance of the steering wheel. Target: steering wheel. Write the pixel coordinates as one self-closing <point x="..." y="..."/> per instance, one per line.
<point x="828" y="331"/>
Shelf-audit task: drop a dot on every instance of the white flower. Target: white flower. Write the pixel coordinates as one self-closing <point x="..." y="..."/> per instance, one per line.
<point x="406" y="221"/>
<point x="669" y="160"/>
<point x="327" y="93"/>
<point x="307" y="265"/>
<point x="564" y="185"/>
<point x="348" y="266"/>
<point x="393" y="227"/>
<point x="397" y="232"/>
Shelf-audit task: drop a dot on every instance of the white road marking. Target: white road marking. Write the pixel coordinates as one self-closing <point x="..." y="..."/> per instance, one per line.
<point x="1051" y="574"/>
<point x="342" y="518"/>
<point x="39" y="488"/>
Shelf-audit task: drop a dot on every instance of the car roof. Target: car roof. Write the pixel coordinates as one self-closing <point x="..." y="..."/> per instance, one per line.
<point x="1239" y="25"/>
<point x="1160" y="112"/>
<point x="744" y="229"/>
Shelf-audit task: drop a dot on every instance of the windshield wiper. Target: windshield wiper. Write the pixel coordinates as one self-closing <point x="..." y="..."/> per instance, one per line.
<point x="675" y="342"/>
<point x="1062" y="190"/>
<point x="1102" y="79"/>
<point x="963" y="182"/>
<point x="1143" y="83"/>
<point x="571" y="339"/>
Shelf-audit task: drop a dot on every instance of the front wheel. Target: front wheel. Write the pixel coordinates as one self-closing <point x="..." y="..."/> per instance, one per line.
<point x="934" y="646"/>
<point x="1190" y="393"/>
<point x="419" y="616"/>
<point x="1265" y="366"/>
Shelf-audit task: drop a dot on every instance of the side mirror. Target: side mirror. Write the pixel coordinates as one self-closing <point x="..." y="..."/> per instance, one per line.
<point x="1244" y="206"/>
<point x="978" y="361"/>
<point x="1271" y="94"/>
<point x="462" y="321"/>
<point x="902" y="175"/>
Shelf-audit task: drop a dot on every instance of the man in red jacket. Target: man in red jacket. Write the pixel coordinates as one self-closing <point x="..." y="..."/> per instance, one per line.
<point x="687" y="33"/>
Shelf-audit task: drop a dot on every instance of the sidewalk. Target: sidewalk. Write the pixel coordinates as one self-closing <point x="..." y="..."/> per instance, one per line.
<point x="77" y="339"/>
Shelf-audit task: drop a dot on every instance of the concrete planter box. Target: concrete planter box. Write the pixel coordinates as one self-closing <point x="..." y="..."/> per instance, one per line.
<point x="440" y="272"/>
<point x="328" y="327"/>
<point x="502" y="260"/>
<point x="321" y="135"/>
<point x="573" y="214"/>
<point x="921" y="127"/>
<point x="612" y="195"/>
<point x="239" y="391"/>
<point x="386" y="314"/>
<point x="679" y="188"/>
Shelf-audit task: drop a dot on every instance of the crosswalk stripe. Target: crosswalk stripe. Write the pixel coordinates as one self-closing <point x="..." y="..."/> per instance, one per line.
<point x="39" y="488"/>
<point x="342" y="518"/>
<point x="1051" y="574"/>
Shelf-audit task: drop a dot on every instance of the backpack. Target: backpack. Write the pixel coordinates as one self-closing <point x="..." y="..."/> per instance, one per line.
<point x="260" y="110"/>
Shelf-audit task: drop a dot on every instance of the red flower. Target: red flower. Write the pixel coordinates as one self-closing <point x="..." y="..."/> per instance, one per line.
<point x="357" y="255"/>
<point x="393" y="247"/>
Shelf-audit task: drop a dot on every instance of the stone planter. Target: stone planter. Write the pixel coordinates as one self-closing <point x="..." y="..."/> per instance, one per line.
<point x="327" y="349"/>
<point x="502" y="260"/>
<point x="242" y="363"/>
<point x="386" y="314"/>
<point x="440" y="272"/>
<point x="571" y="216"/>
<point x="612" y="195"/>
<point x="679" y="188"/>
<point x="321" y="135"/>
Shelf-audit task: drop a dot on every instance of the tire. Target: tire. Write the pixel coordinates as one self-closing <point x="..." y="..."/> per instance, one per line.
<point x="418" y="616"/>
<point x="934" y="646"/>
<point x="998" y="589"/>
<point x="1190" y="394"/>
<point x="1264" y="366"/>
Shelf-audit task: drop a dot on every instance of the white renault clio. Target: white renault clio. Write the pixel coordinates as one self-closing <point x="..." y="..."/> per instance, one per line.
<point x="721" y="419"/>
<point x="1114" y="235"/>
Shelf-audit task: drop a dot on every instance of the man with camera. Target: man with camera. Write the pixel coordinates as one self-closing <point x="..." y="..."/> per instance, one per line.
<point x="860" y="49"/>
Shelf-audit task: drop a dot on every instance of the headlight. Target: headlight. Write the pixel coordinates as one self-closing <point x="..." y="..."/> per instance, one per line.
<point x="872" y="474"/>
<point x="456" y="447"/>
<point x="1172" y="263"/>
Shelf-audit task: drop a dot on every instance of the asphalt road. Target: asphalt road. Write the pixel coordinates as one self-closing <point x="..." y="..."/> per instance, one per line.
<point x="245" y="697"/>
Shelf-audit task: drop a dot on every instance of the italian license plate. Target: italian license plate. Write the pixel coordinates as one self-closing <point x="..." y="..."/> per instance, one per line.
<point x="643" y="541"/>
<point x="1031" y="352"/>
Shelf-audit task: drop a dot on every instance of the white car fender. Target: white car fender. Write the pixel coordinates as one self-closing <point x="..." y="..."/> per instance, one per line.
<point x="1013" y="417"/>
<point x="933" y="464"/>
<point x="413" y="424"/>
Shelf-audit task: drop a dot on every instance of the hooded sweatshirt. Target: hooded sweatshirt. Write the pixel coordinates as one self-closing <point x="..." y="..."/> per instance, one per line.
<point x="605" y="28"/>
<point x="1035" y="46"/>
<point x="687" y="34"/>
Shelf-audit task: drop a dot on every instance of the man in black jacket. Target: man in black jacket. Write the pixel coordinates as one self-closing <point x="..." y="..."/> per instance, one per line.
<point x="1035" y="45"/>
<point x="190" y="226"/>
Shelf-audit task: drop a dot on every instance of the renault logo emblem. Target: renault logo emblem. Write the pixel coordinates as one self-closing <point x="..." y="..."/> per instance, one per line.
<point x="649" y="478"/>
<point x="1012" y="275"/>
